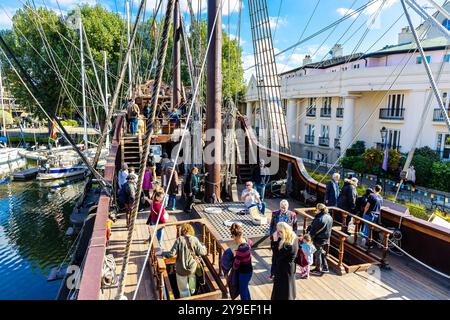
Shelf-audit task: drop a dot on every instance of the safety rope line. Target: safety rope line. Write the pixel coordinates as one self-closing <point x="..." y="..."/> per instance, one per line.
<point x="148" y="136"/>
<point x="188" y="118"/>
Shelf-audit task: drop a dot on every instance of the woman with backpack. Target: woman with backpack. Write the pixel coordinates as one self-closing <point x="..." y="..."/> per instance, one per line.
<point x="191" y="188"/>
<point x="188" y="249"/>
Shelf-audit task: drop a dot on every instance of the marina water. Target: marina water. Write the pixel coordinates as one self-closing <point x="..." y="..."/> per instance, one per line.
<point x="33" y="222"/>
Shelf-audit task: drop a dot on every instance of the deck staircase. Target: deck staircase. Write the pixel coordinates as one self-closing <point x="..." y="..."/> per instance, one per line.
<point x="131" y="150"/>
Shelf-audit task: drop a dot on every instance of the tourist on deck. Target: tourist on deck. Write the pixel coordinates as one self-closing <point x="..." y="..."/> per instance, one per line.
<point x="174" y="119"/>
<point x="347" y="198"/>
<point x="372" y="211"/>
<point x="133" y="115"/>
<point x="172" y="186"/>
<point x="320" y="232"/>
<point x="147" y="111"/>
<point x="151" y="163"/>
<point x="252" y="199"/>
<point x="191" y="189"/>
<point x="164" y="162"/>
<point x="284" y="253"/>
<point x="332" y="191"/>
<point x="282" y="215"/>
<point x="130" y="196"/>
<point x="261" y="177"/>
<point x="187" y="248"/>
<point x="147" y="184"/>
<point x="122" y="176"/>
<point x="242" y="263"/>
<point x="361" y="202"/>
<point x="157" y="209"/>
<point x="309" y="249"/>
<point x="133" y="173"/>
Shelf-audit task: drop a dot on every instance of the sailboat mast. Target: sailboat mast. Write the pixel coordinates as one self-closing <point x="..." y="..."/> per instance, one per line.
<point x="176" y="97"/>
<point x="130" y="70"/>
<point x="1" y="99"/>
<point x="85" y="136"/>
<point x="105" y="67"/>
<point x="214" y="101"/>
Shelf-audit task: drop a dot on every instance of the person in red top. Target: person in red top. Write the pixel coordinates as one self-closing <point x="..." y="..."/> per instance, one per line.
<point x="156" y="208"/>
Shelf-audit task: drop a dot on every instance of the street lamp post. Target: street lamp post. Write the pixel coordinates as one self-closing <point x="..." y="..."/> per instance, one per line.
<point x="383" y="133"/>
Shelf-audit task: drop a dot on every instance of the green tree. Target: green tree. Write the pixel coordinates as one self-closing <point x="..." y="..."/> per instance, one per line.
<point x="440" y="176"/>
<point x="357" y="149"/>
<point x="373" y="159"/>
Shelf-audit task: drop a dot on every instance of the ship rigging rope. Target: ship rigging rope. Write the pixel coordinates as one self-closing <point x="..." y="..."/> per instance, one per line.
<point x="302" y="115"/>
<point x="148" y="136"/>
<point x="188" y="119"/>
<point x="412" y="53"/>
<point x="50" y="52"/>
<point x="59" y="127"/>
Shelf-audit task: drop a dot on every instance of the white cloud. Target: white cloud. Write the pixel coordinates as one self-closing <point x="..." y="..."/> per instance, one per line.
<point x="345" y="11"/>
<point x="277" y="22"/>
<point x="6" y="15"/>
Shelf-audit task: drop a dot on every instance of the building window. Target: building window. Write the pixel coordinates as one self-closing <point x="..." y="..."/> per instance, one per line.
<point x="447" y="58"/>
<point x="311" y="112"/>
<point x="324" y="139"/>
<point x="420" y="60"/>
<point x="446" y="24"/>
<point x="443" y="146"/>
<point x="356" y="66"/>
<point x="310" y="155"/>
<point x="326" y="108"/>
<point x="393" y="139"/>
<point x="395" y="110"/>
<point x="310" y="132"/>
<point x="339" y="132"/>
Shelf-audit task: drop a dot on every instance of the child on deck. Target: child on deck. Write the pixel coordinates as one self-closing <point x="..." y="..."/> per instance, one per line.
<point x="309" y="249"/>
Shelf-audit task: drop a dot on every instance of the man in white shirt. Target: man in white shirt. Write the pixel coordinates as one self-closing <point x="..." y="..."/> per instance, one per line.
<point x="252" y="198"/>
<point x="122" y="176"/>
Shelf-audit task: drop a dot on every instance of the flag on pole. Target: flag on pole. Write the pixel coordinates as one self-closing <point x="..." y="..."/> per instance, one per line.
<point x="53" y="134"/>
<point x="386" y="158"/>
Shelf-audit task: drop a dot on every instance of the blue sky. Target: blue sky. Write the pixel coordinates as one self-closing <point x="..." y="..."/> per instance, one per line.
<point x="287" y="26"/>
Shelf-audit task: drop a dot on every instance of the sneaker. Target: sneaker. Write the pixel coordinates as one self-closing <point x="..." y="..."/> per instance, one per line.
<point x="316" y="273"/>
<point x="325" y="271"/>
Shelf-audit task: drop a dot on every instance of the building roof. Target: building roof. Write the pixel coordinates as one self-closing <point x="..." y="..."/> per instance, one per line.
<point x="428" y="45"/>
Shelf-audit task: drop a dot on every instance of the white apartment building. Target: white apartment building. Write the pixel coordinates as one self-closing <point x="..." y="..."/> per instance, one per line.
<point x="334" y="103"/>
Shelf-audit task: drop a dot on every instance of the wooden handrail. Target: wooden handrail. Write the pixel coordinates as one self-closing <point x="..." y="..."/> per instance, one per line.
<point x="208" y="238"/>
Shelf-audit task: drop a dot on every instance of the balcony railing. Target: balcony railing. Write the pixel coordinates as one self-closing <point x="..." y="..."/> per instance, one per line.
<point x="324" y="141"/>
<point x="438" y="115"/>
<point x="325" y="113"/>
<point x="309" y="139"/>
<point x="380" y="146"/>
<point x="392" y="114"/>
<point x="339" y="112"/>
<point x="311" y="112"/>
<point x="337" y="143"/>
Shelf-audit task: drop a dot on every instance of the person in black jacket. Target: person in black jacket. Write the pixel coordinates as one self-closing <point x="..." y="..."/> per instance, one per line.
<point x="191" y="188"/>
<point x="320" y="232"/>
<point x="285" y="252"/>
<point x="347" y="198"/>
<point x="332" y="191"/>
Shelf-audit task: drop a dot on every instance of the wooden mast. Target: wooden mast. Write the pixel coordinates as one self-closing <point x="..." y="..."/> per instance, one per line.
<point x="176" y="96"/>
<point x="213" y="157"/>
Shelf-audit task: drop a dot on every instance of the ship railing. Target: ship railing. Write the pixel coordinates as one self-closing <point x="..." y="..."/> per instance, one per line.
<point x="349" y="241"/>
<point x="212" y="266"/>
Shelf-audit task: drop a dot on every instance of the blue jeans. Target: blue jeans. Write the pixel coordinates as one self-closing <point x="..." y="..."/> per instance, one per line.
<point x="261" y="188"/>
<point x="134" y="125"/>
<point x="159" y="234"/>
<point x="372" y="217"/>
<point x="172" y="202"/>
<point x="244" y="280"/>
<point x="261" y="207"/>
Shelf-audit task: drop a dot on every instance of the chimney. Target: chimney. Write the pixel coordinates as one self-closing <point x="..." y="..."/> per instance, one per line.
<point x="307" y="60"/>
<point x="405" y="36"/>
<point x="337" y="50"/>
